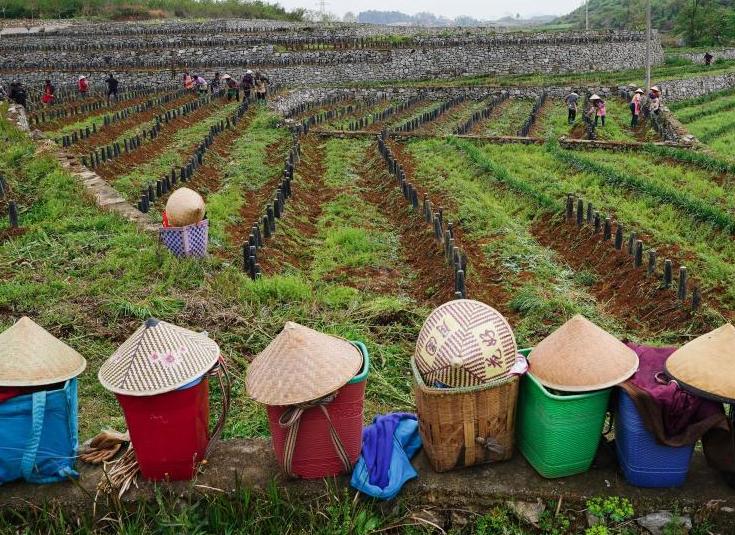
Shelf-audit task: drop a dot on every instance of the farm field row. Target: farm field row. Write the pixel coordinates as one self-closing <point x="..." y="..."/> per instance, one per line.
<point x="349" y="254"/>
<point x="711" y="121"/>
<point x="506" y="119"/>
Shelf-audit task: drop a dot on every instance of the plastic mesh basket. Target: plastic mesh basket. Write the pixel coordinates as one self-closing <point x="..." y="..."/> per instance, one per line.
<point x="190" y="240"/>
<point x="559" y="434"/>
<point x="644" y="462"/>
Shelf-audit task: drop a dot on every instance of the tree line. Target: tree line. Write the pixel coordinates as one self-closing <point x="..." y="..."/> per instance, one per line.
<point x="145" y="9"/>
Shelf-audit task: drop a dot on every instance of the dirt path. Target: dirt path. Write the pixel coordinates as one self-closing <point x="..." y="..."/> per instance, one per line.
<point x="303" y="211"/>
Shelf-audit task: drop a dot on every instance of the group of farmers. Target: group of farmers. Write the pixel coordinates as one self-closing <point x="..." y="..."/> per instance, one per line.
<point x="252" y="84"/>
<point x="596" y="110"/>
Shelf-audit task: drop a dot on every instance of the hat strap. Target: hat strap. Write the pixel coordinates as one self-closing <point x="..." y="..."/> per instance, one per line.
<point x="291" y="418"/>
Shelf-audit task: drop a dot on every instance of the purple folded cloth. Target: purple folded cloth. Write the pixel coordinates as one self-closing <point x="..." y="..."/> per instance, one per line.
<point x="679" y="408"/>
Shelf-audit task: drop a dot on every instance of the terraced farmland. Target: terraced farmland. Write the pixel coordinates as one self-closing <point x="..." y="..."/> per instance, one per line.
<point x="355" y="250"/>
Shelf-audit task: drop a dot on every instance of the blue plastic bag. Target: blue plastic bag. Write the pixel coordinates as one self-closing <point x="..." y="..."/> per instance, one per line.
<point x="39" y="436"/>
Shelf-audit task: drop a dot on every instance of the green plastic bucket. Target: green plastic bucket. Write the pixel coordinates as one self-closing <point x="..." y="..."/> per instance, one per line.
<point x="559" y="435"/>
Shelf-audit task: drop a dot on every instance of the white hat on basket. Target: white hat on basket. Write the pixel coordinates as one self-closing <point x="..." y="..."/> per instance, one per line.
<point x="159" y="357"/>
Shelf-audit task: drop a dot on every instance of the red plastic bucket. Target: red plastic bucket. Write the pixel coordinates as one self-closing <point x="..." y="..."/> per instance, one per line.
<point x="170" y="432"/>
<point x="314" y="454"/>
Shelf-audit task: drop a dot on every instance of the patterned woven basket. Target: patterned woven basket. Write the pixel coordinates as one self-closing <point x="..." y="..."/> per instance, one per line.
<point x="466" y="426"/>
<point x="190" y="240"/>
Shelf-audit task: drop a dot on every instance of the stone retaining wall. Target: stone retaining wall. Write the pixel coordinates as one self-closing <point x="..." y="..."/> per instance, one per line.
<point x="488" y="53"/>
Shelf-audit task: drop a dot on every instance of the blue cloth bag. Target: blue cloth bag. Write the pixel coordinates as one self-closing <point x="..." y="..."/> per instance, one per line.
<point x="384" y="466"/>
<point x="38" y="436"/>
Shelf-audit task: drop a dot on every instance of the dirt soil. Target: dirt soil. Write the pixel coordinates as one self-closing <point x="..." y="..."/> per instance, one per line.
<point x="485" y="280"/>
<point x="432" y="280"/>
<point x="398" y="117"/>
<point x="629" y="294"/>
<point x="149" y="150"/>
<point x="304" y="209"/>
<point x="120" y="105"/>
<point x="107" y="134"/>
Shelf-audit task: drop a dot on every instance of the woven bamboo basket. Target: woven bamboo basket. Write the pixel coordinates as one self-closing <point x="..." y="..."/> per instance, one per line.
<point x="466" y="426"/>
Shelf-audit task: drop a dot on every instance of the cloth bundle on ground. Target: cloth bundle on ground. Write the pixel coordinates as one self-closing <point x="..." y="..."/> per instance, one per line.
<point x="674" y="416"/>
<point x="38" y="405"/>
<point x="388" y="445"/>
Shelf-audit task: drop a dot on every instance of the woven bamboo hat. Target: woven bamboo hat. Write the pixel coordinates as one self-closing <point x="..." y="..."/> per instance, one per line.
<point x="185" y="207"/>
<point x="639" y="90"/>
<point x="465" y="343"/>
<point x="580" y="357"/>
<point x="706" y="365"/>
<point x="301" y="365"/>
<point x="158" y="358"/>
<point x="595" y="97"/>
<point x="32" y="356"/>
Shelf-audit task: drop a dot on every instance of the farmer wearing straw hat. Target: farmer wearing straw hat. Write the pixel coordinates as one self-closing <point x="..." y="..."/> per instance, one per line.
<point x="232" y="88"/>
<point x="635" y="107"/>
<point x="247" y="84"/>
<point x="600" y="111"/>
<point x="83" y="86"/>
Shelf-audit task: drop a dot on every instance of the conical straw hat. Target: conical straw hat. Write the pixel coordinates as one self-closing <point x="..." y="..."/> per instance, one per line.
<point x="184" y="207"/>
<point x="300" y="365"/>
<point x="465" y="343"/>
<point x="595" y="97"/>
<point x="158" y="358"/>
<point x="706" y="365"/>
<point x="32" y="356"/>
<point x="581" y="357"/>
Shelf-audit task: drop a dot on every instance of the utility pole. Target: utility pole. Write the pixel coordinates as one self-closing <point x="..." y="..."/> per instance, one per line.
<point x="648" y="44"/>
<point x="587" y="15"/>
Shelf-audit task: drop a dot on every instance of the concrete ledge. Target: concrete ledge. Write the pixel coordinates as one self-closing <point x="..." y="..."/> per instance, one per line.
<point x="251" y="463"/>
<point x="104" y="195"/>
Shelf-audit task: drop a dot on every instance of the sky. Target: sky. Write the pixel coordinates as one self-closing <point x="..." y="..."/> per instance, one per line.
<point x="479" y="9"/>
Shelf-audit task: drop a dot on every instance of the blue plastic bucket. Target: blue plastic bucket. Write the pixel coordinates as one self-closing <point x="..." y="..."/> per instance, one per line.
<point x="38" y="435"/>
<point x="645" y="462"/>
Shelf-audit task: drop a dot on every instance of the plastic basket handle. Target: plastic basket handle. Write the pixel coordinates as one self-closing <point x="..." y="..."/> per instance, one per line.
<point x="186" y="242"/>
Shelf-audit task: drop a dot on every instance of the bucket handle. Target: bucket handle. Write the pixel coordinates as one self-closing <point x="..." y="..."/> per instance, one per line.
<point x="291" y="418"/>
<point x="39" y="416"/>
<point x="223" y="377"/>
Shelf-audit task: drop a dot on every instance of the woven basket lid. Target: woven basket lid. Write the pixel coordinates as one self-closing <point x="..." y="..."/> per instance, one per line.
<point x="300" y="365"/>
<point x="465" y="343"/>
<point x="580" y="357"/>
<point x="185" y="207"/>
<point x="707" y="364"/>
<point x="32" y="356"/>
<point x="158" y="358"/>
